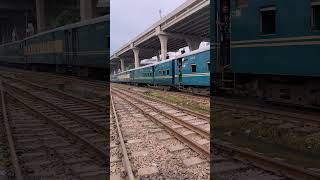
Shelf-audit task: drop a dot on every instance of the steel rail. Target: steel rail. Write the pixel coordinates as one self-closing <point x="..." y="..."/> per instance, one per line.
<point x="61" y="110"/>
<point x="100" y="152"/>
<point x="178" y="135"/>
<point x="190" y="126"/>
<point x="286" y="114"/>
<point x="267" y="163"/>
<point x="95" y="83"/>
<point x="58" y="93"/>
<point x="13" y="153"/>
<point x="123" y="146"/>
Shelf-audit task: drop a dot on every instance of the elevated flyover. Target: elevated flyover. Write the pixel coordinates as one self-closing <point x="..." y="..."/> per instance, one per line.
<point x="188" y="25"/>
<point x="22" y="18"/>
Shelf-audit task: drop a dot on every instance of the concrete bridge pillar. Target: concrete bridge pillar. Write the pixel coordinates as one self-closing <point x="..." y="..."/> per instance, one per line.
<point x="164" y="46"/>
<point x="193" y="43"/>
<point x="122" y="65"/>
<point x="136" y="57"/>
<point x="41" y="19"/>
<point x="87" y="9"/>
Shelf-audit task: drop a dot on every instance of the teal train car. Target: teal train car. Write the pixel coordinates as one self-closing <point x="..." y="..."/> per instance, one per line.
<point x="189" y="72"/>
<point x="269" y="49"/>
<point x="81" y="48"/>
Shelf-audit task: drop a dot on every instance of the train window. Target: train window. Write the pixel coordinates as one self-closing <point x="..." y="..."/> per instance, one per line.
<point x="209" y="66"/>
<point x="193" y="68"/>
<point x="168" y="72"/>
<point x="315" y="15"/>
<point x="268" y="20"/>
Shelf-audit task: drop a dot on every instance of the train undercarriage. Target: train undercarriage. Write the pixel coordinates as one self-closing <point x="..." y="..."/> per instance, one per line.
<point x="299" y="91"/>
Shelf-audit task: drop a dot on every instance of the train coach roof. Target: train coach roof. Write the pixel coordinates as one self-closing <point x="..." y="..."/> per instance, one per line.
<point x="167" y="60"/>
<point x="74" y="25"/>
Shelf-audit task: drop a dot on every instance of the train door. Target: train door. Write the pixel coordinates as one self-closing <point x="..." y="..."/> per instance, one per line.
<point x="68" y="46"/>
<point x="179" y="68"/>
<point x="74" y="46"/>
<point x="71" y="44"/>
<point x="153" y="75"/>
<point x="173" y="72"/>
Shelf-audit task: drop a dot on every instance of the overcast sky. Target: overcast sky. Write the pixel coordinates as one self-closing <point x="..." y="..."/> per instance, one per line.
<point x="129" y="18"/>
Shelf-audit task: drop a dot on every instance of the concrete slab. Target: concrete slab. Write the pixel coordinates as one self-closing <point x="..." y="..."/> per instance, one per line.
<point x="193" y="161"/>
<point x="115" y="177"/>
<point x="143" y="119"/>
<point x="155" y="130"/>
<point x="113" y="145"/>
<point x="172" y="111"/>
<point x="153" y="113"/>
<point x="164" y="137"/>
<point x="199" y="123"/>
<point x="176" y="148"/>
<point x="203" y="142"/>
<point x="140" y="154"/>
<point x="178" y="114"/>
<point x="133" y="141"/>
<point x="137" y="115"/>
<point x="188" y="118"/>
<point x="114" y="159"/>
<point x="148" y="171"/>
<point x="176" y="126"/>
<point x="165" y="121"/>
<point x="186" y="133"/>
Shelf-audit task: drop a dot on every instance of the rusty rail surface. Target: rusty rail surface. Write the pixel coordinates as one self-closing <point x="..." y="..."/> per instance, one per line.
<point x="123" y="146"/>
<point x="13" y="154"/>
<point x="267" y="163"/>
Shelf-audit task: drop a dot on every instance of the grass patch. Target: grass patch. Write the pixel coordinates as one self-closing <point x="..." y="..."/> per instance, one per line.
<point x="183" y="102"/>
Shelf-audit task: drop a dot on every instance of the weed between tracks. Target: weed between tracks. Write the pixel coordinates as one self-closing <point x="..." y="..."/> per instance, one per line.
<point x="181" y="101"/>
<point x="273" y="140"/>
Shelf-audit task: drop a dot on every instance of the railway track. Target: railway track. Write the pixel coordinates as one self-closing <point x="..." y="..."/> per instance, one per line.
<point x="196" y="98"/>
<point x="229" y="162"/>
<point x="116" y="133"/>
<point x="152" y="150"/>
<point x="190" y="129"/>
<point x="54" y="134"/>
<point x="263" y="109"/>
<point x="46" y="78"/>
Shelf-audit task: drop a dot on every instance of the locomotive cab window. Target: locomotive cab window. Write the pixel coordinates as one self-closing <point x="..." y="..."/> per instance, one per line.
<point x="315" y="15"/>
<point x="193" y="68"/>
<point x="268" y="20"/>
<point x="209" y="66"/>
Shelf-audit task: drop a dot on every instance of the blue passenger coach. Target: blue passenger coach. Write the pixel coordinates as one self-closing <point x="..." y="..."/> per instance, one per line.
<point x="269" y="49"/>
<point x="189" y="71"/>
